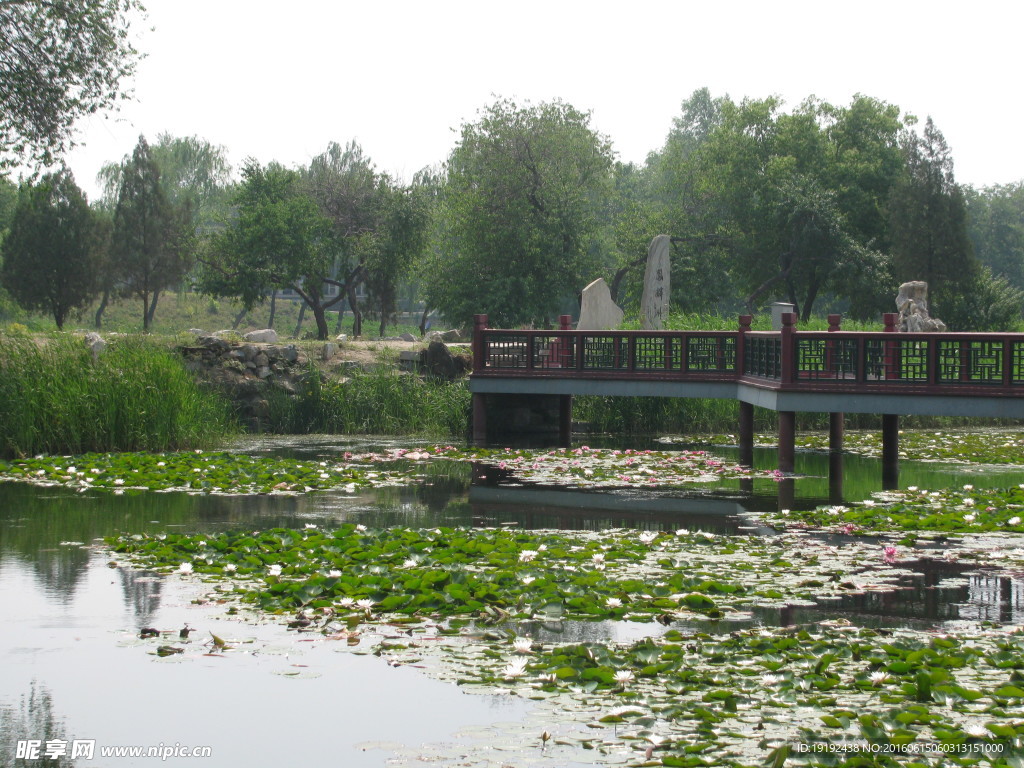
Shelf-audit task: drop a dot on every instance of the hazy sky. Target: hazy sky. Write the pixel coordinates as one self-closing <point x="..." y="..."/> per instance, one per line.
<point x="279" y="80"/>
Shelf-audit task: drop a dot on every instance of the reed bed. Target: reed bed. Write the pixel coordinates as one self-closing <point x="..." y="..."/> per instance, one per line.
<point x="380" y="401"/>
<point x="135" y="396"/>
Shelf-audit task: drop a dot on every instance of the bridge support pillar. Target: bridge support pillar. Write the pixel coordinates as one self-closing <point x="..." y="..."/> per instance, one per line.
<point x="565" y="421"/>
<point x="746" y="434"/>
<point x="787" y="441"/>
<point x="479" y="419"/>
<point x="836" y="429"/>
<point x="890" y="451"/>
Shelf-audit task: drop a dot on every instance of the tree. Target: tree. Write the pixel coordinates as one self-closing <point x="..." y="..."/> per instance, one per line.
<point x="60" y="60"/>
<point x="193" y="172"/>
<point x="279" y="238"/>
<point x="520" y="205"/>
<point x="48" y="263"/>
<point x="798" y="193"/>
<point x="995" y="224"/>
<point x="398" y="239"/>
<point x="928" y="222"/>
<point x="345" y="184"/>
<point x="151" y="238"/>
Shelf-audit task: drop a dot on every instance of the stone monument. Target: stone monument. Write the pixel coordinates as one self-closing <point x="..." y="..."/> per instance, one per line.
<point x="654" y="301"/>
<point x="912" y="303"/>
<point x="597" y="310"/>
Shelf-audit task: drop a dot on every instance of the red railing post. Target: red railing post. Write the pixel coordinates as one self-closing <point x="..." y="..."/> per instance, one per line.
<point x="788" y="352"/>
<point x="479" y="355"/>
<point x="833" y="326"/>
<point x="889" y="320"/>
<point x="741" y="345"/>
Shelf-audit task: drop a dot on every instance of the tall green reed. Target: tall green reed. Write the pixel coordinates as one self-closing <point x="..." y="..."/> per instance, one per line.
<point x="55" y="398"/>
<point x="382" y="401"/>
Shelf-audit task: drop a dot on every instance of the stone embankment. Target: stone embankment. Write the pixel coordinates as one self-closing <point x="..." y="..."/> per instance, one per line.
<point x="252" y="370"/>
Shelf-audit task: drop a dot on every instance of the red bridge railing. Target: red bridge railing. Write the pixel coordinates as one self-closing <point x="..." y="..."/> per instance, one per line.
<point x="834" y="360"/>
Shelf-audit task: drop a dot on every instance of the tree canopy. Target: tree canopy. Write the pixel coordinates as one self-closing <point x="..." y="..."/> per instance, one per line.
<point x="48" y="254"/>
<point x="520" y="203"/>
<point x="60" y="60"/>
<point x="151" y="238"/>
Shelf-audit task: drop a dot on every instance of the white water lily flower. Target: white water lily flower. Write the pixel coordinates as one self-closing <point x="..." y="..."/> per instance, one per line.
<point x="542" y="548"/>
<point x="410" y="563"/>
<point x="334" y="573"/>
<point x="968" y="502"/>
<point x="770" y="679"/>
<point x="1013" y="521"/>
<point x="522" y="645"/>
<point x="969" y="518"/>
<point x="647" y="537"/>
<point x="346" y="602"/>
<point x="185" y="568"/>
<point x="119" y="481"/>
<point x="968" y="487"/>
<point x="598" y="558"/>
<point x="365" y="603"/>
<point x="613" y="602"/>
<point x="528" y="580"/>
<point x="976" y="729"/>
<point x="878" y="677"/>
<point x="527" y="555"/>
<point x="230" y="567"/>
<point x="360" y="527"/>
<point x="515" y="668"/>
<point x="911" y="487"/>
<point x="869" y="502"/>
<point x="274" y="570"/>
<point x="624" y="677"/>
<point x="310" y="525"/>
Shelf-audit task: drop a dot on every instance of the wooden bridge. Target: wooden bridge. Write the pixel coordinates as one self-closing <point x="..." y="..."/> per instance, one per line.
<point x="787" y="371"/>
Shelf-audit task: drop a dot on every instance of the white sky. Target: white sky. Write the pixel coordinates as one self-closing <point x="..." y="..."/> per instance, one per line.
<point x="279" y="80"/>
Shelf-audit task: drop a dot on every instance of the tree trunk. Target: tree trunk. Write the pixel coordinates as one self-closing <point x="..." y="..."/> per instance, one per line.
<point x="320" y="315"/>
<point x="145" y="311"/>
<point x="302" y="316"/>
<point x="423" y="319"/>
<point x="273" y="308"/>
<point x="341" y="317"/>
<point x="238" y="319"/>
<point x="98" y="321"/>
<point x="151" y="312"/>
<point x="357" y="317"/>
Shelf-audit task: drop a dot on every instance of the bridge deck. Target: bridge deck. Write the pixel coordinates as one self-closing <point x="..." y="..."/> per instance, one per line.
<point x="968" y="374"/>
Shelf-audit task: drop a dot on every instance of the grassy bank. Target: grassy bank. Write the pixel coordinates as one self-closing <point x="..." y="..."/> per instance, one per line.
<point x="380" y="401"/>
<point x="54" y="398"/>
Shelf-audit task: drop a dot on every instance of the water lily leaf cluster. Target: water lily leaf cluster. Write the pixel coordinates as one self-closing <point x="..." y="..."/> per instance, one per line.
<point x="501" y="573"/>
<point x="969" y="509"/>
<point x="238" y="473"/>
<point x="195" y="472"/>
<point x="751" y="697"/>
<point x="959" y="446"/>
<point x="588" y="467"/>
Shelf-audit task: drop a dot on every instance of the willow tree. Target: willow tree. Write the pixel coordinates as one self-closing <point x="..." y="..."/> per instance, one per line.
<point x="60" y="61"/>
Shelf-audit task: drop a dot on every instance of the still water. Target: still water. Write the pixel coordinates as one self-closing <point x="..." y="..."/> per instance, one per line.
<point x="71" y="620"/>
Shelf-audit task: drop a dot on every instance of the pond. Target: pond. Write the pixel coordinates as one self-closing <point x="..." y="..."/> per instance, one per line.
<point x="77" y="670"/>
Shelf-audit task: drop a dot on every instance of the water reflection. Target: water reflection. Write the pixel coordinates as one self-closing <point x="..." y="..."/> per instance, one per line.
<point x="34" y="723"/>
